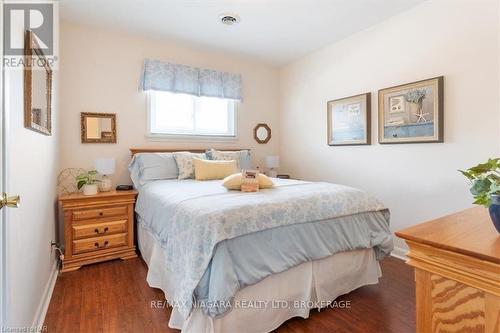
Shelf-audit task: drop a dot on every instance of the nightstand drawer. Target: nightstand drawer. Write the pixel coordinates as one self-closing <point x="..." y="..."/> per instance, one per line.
<point x="99" y="229"/>
<point x="99" y="213"/>
<point x="99" y="243"/>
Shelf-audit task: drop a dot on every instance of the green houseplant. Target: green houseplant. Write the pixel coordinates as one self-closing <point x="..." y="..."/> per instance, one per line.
<point x="88" y="182"/>
<point x="485" y="187"/>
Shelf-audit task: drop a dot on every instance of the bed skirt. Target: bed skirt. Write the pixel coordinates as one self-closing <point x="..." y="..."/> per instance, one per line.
<point x="266" y="305"/>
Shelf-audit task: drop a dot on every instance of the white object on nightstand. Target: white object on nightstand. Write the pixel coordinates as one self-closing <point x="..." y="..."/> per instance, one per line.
<point x="272" y="163"/>
<point x="90" y="189"/>
<point x="105" y="167"/>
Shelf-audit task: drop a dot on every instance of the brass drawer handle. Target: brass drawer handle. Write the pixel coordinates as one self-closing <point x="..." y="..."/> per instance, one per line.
<point x="96" y="230"/>
<point x="97" y="246"/>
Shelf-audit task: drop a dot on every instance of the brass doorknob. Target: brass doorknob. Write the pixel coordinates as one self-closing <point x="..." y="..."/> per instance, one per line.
<point x="11" y="202"/>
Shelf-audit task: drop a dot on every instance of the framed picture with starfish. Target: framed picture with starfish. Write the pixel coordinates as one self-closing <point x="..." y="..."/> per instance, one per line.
<point x="412" y="112"/>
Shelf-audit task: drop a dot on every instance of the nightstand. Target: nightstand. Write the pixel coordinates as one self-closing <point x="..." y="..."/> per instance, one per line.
<point x="97" y="227"/>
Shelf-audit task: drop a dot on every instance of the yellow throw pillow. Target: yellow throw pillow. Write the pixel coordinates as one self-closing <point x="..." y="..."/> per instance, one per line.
<point x="265" y="181"/>
<point x="233" y="182"/>
<point x="208" y="170"/>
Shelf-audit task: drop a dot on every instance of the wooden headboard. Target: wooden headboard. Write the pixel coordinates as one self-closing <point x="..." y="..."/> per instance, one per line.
<point x="165" y="150"/>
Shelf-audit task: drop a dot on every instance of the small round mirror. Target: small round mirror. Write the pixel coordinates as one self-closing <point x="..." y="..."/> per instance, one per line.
<point x="262" y="133"/>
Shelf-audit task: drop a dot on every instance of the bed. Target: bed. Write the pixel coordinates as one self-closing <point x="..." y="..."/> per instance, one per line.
<point x="230" y="261"/>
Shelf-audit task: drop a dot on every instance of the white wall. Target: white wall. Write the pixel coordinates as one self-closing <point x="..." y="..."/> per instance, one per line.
<point x="455" y="38"/>
<point x="100" y="71"/>
<point x="32" y="164"/>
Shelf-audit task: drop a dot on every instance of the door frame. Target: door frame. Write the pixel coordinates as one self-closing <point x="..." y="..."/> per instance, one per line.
<point x="3" y="215"/>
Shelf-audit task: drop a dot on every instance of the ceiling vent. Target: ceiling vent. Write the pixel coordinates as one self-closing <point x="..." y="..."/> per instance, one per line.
<point x="229" y="19"/>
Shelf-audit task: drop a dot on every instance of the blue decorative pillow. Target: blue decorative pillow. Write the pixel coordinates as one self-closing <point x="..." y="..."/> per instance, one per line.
<point x="243" y="157"/>
<point x="147" y="167"/>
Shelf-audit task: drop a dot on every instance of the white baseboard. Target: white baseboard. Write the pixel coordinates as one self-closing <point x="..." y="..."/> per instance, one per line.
<point x="400" y="253"/>
<point x="46" y="297"/>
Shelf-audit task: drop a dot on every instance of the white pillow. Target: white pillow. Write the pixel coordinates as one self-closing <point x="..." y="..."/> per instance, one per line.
<point x="185" y="164"/>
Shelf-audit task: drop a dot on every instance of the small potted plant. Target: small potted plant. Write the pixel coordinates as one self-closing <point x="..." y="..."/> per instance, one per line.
<point x="485" y="187"/>
<point x="88" y="182"/>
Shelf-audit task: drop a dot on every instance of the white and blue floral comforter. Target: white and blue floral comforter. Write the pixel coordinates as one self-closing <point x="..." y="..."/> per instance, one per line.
<point x="190" y="218"/>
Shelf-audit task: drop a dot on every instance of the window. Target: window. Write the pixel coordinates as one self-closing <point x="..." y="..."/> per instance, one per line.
<point x="173" y="114"/>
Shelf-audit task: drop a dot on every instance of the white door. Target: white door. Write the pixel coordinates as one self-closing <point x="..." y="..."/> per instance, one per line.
<point x="6" y="201"/>
<point x="2" y="219"/>
<point x="29" y="166"/>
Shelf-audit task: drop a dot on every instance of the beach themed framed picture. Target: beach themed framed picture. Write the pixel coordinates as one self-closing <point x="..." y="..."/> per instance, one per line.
<point x="349" y="120"/>
<point x="412" y="112"/>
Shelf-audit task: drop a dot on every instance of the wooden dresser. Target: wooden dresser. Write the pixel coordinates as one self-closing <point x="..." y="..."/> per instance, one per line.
<point x="457" y="272"/>
<point x="97" y="227"/>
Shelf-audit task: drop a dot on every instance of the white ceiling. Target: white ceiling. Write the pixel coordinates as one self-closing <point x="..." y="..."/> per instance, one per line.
<point x="276" y="31"/>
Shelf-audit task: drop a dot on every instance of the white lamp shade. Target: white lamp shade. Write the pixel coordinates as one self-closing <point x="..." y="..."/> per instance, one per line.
<point x="105" y="166"/>
<point x="272" y="162"/>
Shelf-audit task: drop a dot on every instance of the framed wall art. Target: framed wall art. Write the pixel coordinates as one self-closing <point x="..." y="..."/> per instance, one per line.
<point x="412" y="112"/>
<point x="349" y="120"/>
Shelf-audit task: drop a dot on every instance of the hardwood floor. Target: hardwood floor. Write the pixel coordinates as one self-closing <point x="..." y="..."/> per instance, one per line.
<point x="114" y="297"/>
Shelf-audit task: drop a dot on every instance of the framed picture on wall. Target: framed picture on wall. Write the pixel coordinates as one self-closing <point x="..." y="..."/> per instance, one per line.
<point x="412" y="112"/>
<point x="349" y="120"/>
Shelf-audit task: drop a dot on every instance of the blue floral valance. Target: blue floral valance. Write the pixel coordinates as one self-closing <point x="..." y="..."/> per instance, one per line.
<point x="163" y="76"/>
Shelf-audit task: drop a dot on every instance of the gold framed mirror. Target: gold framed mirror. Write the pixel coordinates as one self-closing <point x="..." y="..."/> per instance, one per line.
<point x="98" y="127"/>
<point x="37" y="87"/>
<point x="262" y="133"/>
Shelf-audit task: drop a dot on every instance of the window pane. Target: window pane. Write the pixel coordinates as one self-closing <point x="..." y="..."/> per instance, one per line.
<point x="190" y="115"/>
<point x="211" y="115"/>
<point x="173" y="112"/>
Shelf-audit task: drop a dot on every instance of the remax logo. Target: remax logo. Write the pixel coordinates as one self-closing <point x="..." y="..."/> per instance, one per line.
<point x="37" y="17"/>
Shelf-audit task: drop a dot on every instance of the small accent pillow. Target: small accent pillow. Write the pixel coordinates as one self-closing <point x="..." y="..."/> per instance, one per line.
<point x="185" y="165"/>
<point x="209" y="170"/>
<point x="233" y="182"/>
<point x="242" y="157"/>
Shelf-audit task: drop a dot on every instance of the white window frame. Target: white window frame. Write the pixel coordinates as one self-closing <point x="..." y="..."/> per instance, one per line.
<point x="190" y="137"/>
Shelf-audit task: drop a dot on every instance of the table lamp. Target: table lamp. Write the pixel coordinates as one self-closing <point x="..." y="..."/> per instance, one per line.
<point x="105" y="167"/>
<point x="272" y="163"/>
